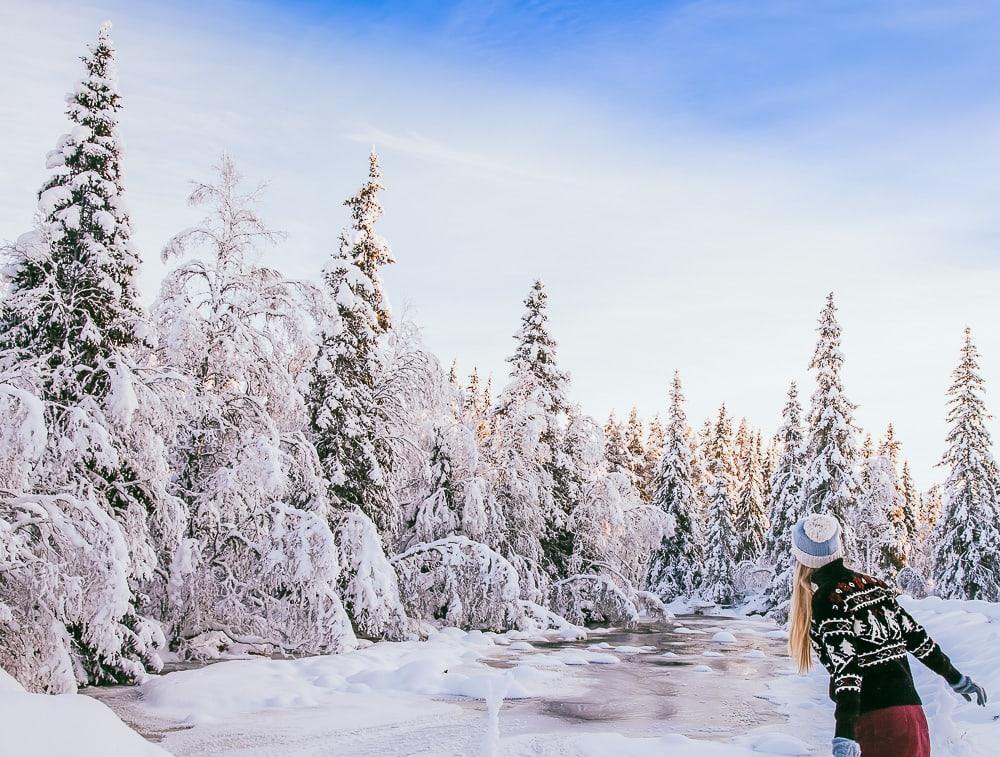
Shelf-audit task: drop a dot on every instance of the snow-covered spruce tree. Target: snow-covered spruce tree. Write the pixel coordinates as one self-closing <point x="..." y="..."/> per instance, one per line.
<point x="259" y="564"/>
<point x="786" y="506"/>
<point x="889" y="447"/>
<point x="677" y="565"/>
<point x="929" y="512"/>
<point x="476" y="406"/>
<point x="635" y="448"/>
<point x="881" y="544"/>
<point x="91" y="526"/>
<point x="967" y="540"/>
<point x="750" y="521"/>
<point x="831" y="483"/>
<point x="439" y="511"/>
<point x="615" y="451"/>
<point x="911" y="505"/>
<point x="344" y="411"/>
<point x="534" y="367"/>
<point x="520" y="483"/>
<point x="655" y="438"/>
<point x="720" y="537"/>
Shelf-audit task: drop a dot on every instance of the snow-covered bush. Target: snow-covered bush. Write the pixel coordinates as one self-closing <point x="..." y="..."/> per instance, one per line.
<point x="461" y="583"/>
<point x="368" y="584"/>
<point x="592" y="600"/>
<point x="911" y="581"/>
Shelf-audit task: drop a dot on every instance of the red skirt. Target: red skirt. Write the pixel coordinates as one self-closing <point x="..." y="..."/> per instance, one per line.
<point x="893" y="732"/>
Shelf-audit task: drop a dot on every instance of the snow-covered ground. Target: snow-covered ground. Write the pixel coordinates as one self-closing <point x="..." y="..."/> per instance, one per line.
<point x="710" y="686"/>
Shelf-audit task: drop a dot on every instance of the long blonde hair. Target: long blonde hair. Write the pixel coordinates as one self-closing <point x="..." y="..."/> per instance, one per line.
<point x="800" y="618"/>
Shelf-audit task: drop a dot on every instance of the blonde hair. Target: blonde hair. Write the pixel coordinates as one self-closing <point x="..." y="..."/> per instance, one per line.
<point x="800" y="618"/>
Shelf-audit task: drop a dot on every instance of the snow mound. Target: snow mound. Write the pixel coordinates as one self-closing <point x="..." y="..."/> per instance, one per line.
<point x="724" y="637"/>
<point x="46" y="725"/>
<point x="753" y="654"/>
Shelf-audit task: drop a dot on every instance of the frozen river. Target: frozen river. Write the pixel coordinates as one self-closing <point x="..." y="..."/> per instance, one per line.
<point x="709" y="678"/>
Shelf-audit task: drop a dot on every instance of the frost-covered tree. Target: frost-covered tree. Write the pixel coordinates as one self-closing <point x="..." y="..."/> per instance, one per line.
<point x="439" y="512"/>
<point x="677" y="565"/>
<point x="889" y="447"/>
<point x="881" y="542"/>
<point x="750" y="521"/>
<point x="535" y="369"/>
<point x="786" y="505"/>
<point x="911" y="504"/>
<point x="635" y="447"/>
<point x="720" y="537"/>
<point x="476" y="406"/>
<point x="520" y="483"/>
<point x="967" y="540"/>
<point x="258" y="563"/>
<point x="655" y="439"/>
<point x="831" y="483"/>
<point x="615" y="451"/>
<point x="89" y="528"/>
<point x="346" y="416"/>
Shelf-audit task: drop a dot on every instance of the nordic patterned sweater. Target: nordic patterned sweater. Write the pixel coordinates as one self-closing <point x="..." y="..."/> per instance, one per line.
<point x="862" y="635"/>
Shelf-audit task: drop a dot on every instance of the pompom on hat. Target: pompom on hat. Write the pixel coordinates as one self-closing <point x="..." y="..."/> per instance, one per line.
<point x="816" y="540"/>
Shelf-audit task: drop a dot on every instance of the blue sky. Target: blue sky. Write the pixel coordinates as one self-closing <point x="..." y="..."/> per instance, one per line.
<point x="689" y="178"/>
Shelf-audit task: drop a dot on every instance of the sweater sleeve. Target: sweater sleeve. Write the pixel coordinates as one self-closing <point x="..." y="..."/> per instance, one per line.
<point x="925" y="649"/>
<point x="833" y="639"/>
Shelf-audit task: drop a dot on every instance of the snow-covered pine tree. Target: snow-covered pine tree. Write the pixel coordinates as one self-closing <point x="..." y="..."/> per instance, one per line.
<point x="889" y="447"/>
<point x="750" y="520"/>
<point x="769" y="465"/>
<point x="677" y="565"/>
<point x="655" y="439"/>
<point x="882" y="547"/>
<point x="720" y="538"/>
<point x="476" y="406"/>
<point x="635" y="448"/>
<point x="345" y="415"/>
<point x="90" y="477"/>
<point x="615" y="451"/>
<point x="534" y="365"/>
<point x="967" y="539"/>
<point x="786" y="505"/>
<point x="439" y="512"/>
<point x="831" y="483"/>
<point x="259" y="563"/>
<point x="911" y="505"/>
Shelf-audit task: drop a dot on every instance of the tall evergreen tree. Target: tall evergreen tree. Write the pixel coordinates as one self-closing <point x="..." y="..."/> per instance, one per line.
<point x="750" y="519"/>
<point x="636" y="449"/>
<point x="677" y="565"/>
<point x="967" y="540"/>
<point x="345" y="414"/>
<point x="786" y="505"/>
<point x="439" y="512"/>
<point x="655" y="441"/>
<point x="881" y="539"/>
<point x="615" y="451"/>
<point x="534" y="365"/>
<point x="73" y="351"/>
<point x="911" y="504"/>
<point x="831" y="483"/>
<point x="720" y="538"/>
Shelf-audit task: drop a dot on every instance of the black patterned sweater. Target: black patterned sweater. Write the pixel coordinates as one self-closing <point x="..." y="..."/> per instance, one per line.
<point x="862" y="636"/>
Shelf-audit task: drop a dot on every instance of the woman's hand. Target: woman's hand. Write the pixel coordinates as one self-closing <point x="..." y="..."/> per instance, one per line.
<point x="969" y="689"/>
<point x="846" y="747"/>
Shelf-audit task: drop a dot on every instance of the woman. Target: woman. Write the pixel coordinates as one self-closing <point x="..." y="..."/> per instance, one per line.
<point x="862" y="636"/>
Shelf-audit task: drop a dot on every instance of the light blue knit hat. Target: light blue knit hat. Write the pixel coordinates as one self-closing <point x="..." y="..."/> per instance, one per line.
<point x="816" y="540"/>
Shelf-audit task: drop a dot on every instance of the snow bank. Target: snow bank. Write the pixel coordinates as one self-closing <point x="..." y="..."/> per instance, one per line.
<point x="969" y="633"/>
<point x="44" y="725"/>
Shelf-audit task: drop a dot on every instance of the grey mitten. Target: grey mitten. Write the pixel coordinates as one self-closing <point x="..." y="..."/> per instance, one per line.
<point x="969" y="689"/>
<point x="846" y="747"/>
